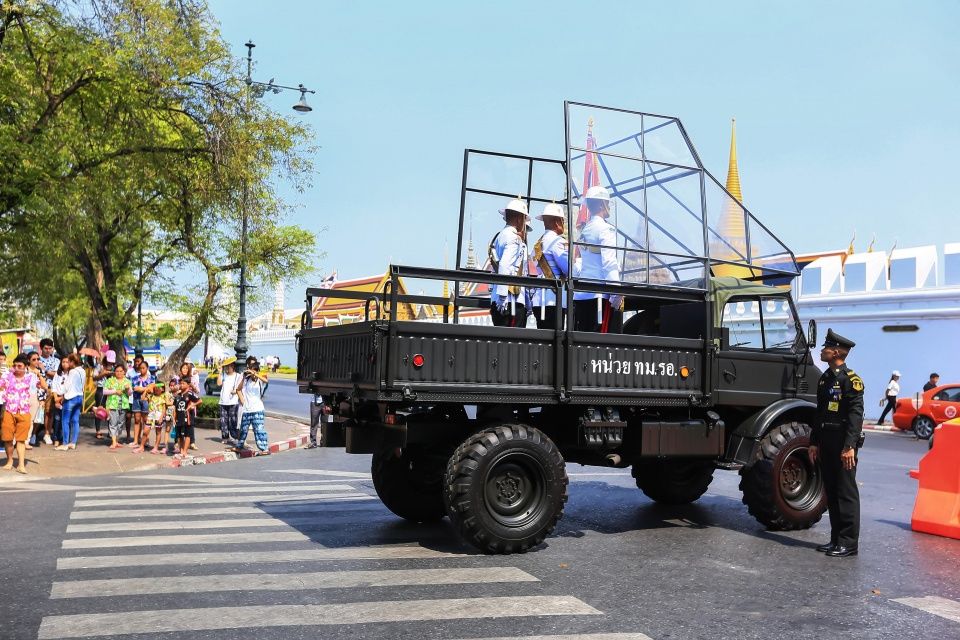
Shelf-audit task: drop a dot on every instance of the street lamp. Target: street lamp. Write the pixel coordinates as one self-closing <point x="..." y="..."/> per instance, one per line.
<point x="256" y="89"/>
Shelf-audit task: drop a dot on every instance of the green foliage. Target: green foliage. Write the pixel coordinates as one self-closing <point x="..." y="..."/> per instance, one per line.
<point x="130" y="149"/>
<point x="209" y="407"/>
<point x="166" y="331"/>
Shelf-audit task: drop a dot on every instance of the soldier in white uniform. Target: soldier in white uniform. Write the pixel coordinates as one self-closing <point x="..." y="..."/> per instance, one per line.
<point x="551" y="253"/>
<point x="508" y="255"/>
<point x="593" y="311"/>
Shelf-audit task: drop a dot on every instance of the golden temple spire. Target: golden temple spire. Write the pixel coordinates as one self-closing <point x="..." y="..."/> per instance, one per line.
<point x="733" y="172"/>
<point x="732" y="225"/>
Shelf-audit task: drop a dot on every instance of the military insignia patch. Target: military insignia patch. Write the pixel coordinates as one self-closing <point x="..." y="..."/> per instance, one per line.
<point x="856" y="382"/>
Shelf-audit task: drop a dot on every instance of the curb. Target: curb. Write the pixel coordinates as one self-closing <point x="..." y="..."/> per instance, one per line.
<point x="287" y="416"/>
<point x="226" y="456"/>
<point x="874" y="427"/>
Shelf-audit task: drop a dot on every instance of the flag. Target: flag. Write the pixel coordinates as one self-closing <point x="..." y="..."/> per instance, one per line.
<point x="329" y="281"/>
<point x="591" y="174"/>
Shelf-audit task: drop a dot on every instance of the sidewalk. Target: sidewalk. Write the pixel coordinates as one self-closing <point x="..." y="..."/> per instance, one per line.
<point x="94" y="457"/>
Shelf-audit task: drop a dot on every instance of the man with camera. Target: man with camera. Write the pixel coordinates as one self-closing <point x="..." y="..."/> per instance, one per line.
<point x="249" y="391"/>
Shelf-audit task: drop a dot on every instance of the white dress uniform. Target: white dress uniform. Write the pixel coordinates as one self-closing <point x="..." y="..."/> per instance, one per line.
<point x="599" y="263"/>
<point x="556" y="253"/>
<point x="510" y="252"/>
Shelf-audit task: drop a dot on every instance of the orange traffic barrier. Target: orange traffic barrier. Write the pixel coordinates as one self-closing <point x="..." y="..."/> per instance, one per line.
<point x="937" y="509"/>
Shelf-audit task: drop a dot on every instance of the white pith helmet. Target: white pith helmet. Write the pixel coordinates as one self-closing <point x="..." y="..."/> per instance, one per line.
<point x="552" y="210"/>
<point x="517" y="206"/>
<point x="597" y="193"/>
<point x="895" y="373"/>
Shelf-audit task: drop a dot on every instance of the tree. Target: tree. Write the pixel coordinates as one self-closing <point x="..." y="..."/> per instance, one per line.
<point x="132" y="150"/>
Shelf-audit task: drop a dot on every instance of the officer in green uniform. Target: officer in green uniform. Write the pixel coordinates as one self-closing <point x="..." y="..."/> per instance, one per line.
<point x="834" y="442"/>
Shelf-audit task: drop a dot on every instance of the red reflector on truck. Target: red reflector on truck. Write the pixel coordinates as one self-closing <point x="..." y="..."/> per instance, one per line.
<point x="418" y="360"/>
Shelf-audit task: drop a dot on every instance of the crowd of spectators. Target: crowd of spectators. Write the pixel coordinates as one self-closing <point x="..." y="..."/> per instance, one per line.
<point x="42" y="397"/>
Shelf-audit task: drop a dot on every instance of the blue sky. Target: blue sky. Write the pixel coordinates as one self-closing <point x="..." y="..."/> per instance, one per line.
<point x="846" y="112"/>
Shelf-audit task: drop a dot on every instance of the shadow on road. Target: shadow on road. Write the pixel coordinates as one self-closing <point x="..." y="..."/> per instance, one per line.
<point x="362" y="524"/>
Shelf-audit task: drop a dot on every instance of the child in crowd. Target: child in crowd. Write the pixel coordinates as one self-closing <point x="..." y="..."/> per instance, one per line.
<point x="142" y="382"/>
<point x="158" y="401"/>
<point x="116" y="393"/>
<point x="56" y="389"/>
<point x="173" y="388"/>
<point x="184" y="404"/>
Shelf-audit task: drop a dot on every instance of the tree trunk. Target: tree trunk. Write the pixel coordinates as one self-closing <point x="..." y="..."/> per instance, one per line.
<point x="94" y="332"/>
<point x="197" y="331"/>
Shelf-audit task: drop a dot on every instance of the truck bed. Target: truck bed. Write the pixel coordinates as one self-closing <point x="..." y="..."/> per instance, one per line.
<point x="471" y="364"/>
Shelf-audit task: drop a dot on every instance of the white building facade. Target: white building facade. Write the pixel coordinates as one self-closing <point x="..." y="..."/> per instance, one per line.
<point x="902" y="309"/>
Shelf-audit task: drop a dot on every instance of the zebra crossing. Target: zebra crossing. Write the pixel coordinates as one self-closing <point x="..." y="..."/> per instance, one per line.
<point x="214" y="568"/>
<point x="306" y="548"/>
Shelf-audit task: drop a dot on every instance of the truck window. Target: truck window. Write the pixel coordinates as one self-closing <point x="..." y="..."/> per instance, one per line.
<point x="779" y="324"/>
<point x="765" y="323"/>
<point x="742" y="318"/>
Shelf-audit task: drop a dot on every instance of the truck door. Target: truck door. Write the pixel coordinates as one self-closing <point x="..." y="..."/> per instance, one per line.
<point x="761" y="351"/>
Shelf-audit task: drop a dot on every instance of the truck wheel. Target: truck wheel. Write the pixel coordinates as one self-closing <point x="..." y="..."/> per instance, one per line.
<point x="783" y="490"/>
<point x="505" y="488"/>
<point x="923" y="427"/>
<point x="411" y="486"/>
<point x="674" y="481"/>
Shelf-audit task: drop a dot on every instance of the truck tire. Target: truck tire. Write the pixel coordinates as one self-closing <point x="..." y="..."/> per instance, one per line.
<point x="674" y="481"/>
<point x="783" y="490"/>
<point x="411" y="486"/>
<point x="505" y="488"/>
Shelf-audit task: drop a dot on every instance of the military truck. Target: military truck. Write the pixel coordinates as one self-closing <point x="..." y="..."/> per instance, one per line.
<point x="477" y="423"/>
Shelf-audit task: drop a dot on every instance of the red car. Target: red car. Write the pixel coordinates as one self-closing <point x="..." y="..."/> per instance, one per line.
<point x="935" y="406"/>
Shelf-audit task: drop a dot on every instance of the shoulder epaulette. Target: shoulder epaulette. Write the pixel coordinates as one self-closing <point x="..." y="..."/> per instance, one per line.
<point x="855" y="380"/>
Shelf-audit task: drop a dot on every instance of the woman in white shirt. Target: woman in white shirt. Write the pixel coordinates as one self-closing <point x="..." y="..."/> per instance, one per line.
<point x="893" y="390"/>
<point x="76" y="377"/>
<point x="250" y="392"/>
<point x="229" y="381"/>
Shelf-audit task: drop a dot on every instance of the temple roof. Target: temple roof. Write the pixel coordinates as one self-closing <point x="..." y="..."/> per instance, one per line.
<point x="335" y="311"/>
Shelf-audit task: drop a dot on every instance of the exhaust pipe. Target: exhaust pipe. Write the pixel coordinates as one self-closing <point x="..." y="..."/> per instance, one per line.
<point x="613" y="459"/>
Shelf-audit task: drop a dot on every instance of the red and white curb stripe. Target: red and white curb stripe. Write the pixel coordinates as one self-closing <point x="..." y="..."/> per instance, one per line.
<point x="226" y="456"/>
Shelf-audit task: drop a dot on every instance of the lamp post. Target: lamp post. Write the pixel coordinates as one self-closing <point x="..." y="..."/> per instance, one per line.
<point x="138" y="350"/>
<point x="255" y="89"/>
